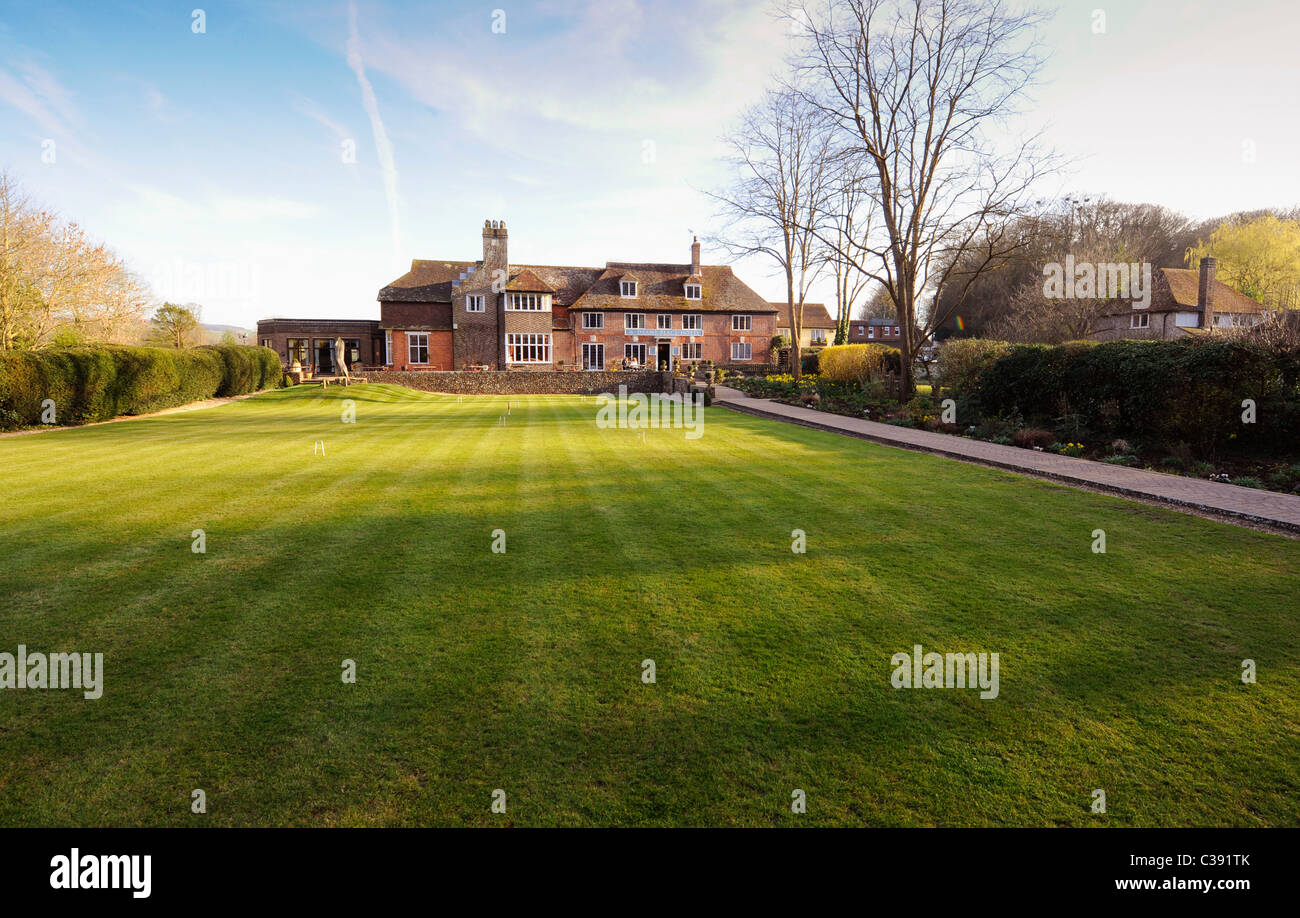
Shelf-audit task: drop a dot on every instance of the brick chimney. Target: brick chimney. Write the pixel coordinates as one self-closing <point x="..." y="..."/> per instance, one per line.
<point x="494" y="243"/>
<point x="695" y="255"/>
<point x="1205" y="292"/>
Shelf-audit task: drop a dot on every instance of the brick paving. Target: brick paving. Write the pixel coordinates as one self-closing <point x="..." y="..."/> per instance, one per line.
<point x="1264" y="509"/>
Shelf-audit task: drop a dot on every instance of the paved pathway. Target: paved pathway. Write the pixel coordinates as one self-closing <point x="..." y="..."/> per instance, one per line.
<point x="1267" y="509"/>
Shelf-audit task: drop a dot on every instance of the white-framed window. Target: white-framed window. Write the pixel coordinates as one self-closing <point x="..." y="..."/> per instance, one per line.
<point x="634" y="353"/>
<point x="871" y="331"/>
<point x="817" y="335"/>
<point x="1140" y="320"/>
<point x="692" y="350"/>
<point x="742" y="323"/>
<point x="593" y="320"/>
<point x="896" y="333"/>
<point x="664" y="321"/>
<point x="474" y="303"/>
<point x="627" y="288"/>
<point x="693" y="291"/>
<point x="528" y="348"/>
<point x="633" y="321"/>
<point x="419" y="347"/>
<point x="742" y="350"/>
<point x="527" y="302"/>
<point x="593" y="356"/>
<point x="692" y="320"/>
<point x="388" y="349"/>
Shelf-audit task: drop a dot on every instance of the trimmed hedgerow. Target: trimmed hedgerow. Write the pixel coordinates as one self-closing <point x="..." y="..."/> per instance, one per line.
<point x="96" y="384"/>
<point x="1190" y="390"/>
<point x="247" y="369"/>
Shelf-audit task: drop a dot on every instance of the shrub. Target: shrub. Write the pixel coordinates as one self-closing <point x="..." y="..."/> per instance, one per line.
<point x="809" y="361"/>
<point x="858" y="363"/>
<point x="1247" y="481"/>
<point x="962" y="360"/>
<point x="1029" y="437"/>
<point x="247" y="369"/>
<point x="95" y="384"/>
<point x="1190" y="390"/>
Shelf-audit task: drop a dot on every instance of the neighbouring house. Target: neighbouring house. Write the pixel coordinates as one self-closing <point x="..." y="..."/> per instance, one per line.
<point x="1183" y="302"/>
<point x="875" y="331"/>
<point x="490" y="313"/>
<point x="818" y="326"/>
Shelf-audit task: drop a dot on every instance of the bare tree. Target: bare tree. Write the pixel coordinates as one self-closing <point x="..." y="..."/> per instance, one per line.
<point x="23" y="231"/>
<point x="780" y="200"/>
<point x="55" y="282"/>
<point x="850" y="281"/>
<point x="911" y="88"/>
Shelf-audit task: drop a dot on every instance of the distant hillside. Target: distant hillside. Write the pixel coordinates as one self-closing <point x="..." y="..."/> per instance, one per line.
<point x="212" y="333"/>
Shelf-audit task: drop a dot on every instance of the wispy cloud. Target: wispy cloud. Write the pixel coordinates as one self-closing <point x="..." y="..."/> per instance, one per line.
<point x="383" y="146"/>
<point x="39" y="96"/>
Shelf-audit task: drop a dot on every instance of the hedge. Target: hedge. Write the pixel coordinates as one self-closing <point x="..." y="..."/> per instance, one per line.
<point x="859" y="363"/>
<point x="1189" y="390"/>
<point x="96" y="384"/>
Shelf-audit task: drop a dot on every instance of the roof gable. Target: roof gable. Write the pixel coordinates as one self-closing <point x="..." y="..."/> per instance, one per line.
<point x="527" y="280"/>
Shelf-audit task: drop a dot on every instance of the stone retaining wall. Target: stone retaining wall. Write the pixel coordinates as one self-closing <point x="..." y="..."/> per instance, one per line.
<point x="524" y="383"/>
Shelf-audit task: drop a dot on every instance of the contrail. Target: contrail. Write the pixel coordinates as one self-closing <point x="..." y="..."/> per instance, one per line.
<point x="382" y="144"/>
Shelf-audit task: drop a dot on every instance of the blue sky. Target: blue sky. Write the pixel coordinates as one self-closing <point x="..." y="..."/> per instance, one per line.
<point x="215" y="162"/>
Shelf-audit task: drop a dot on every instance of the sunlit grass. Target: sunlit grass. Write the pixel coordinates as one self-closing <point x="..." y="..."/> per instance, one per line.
<point x="522" y="670"/>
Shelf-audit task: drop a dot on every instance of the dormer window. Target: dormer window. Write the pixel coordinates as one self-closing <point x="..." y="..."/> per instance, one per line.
<point x="693" y="291"/>
<point x="627" y="289"/>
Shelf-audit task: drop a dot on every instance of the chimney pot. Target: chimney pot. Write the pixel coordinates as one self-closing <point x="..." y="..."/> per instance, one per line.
<point x="494" y="243"/>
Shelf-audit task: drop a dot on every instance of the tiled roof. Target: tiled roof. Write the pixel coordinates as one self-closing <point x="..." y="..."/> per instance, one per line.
<point x="663" y="288"/>
<point x="815" y="315"/>
<point x="427" y="282"/>
<point x="659" y="287"/>
<point x="568" y="282"/>
<point x="528" y="281"/>
<point x="1183" y="288"/>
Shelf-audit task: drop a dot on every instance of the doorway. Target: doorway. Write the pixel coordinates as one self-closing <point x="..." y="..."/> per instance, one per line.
<point x="325" y="358"/>
<point x="665" y="358"/>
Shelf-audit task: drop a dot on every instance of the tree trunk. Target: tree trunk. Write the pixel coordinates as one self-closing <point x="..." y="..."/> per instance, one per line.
<point x="796" y="354"/>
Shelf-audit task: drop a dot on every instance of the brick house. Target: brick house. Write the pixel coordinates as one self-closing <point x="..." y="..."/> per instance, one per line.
<point x="818" y="326"/>
<point x="444" y="315"/>
<point x="1183" y="302"/>
<point x="875" y="331"/>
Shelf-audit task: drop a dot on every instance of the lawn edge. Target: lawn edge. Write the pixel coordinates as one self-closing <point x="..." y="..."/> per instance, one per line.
<point x="1217" y="514"/>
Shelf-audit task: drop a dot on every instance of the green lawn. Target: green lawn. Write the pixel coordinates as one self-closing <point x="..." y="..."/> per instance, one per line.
<point x="522" y="670"/>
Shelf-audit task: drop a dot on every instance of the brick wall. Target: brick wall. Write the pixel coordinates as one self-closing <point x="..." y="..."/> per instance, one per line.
<point x="523" y="383"/>
<point x="439" y="349"/>
<point x="717" y="336"/>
